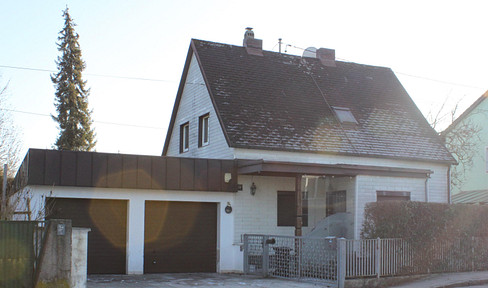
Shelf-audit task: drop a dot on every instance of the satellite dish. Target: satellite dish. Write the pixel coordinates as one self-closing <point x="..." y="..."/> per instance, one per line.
<point x="310" y="52"/>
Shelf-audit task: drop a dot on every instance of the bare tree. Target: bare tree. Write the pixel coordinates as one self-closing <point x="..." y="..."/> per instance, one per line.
<point x="10" y="144"/>
<point x="462" y="139"/>
<point x="10" y="147"/>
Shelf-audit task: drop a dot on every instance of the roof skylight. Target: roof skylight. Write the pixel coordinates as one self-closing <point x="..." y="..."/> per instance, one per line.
<point x="345" y="115"/>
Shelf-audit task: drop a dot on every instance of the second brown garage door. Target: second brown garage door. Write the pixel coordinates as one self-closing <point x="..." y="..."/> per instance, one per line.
<point x="180" y="237"/>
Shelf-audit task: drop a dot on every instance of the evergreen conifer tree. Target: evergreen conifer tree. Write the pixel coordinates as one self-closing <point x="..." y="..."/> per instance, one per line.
<point x="71" y="97"/>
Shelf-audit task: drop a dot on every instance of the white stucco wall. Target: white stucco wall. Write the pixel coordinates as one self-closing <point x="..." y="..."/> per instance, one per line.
<point x="366" y="186"/>
<point x="437" y="183"/>
<point x="369" y="185"/>
<point x="135" y="224"/>
<point x="195" y="102"/>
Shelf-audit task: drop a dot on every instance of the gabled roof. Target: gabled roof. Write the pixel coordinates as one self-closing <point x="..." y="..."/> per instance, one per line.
<point x="285" y="102"/>
<point x="465" y="113"/>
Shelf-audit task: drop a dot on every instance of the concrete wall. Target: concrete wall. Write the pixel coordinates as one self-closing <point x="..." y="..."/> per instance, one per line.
<point x="195" y="102"/>
<point x="55" y="264"/>
<point x="79" y="255"/>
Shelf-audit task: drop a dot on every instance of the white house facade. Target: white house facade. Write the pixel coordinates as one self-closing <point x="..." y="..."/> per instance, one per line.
<point x="259" y="142"/>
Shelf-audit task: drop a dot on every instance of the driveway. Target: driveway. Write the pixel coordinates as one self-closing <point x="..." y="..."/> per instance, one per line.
<point x="180" y="280"/>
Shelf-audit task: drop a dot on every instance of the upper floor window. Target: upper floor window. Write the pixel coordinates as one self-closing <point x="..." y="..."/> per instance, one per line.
<point x="203" y="130"/>
<point x="345" y="115"/>
<point x="184" y="137"/>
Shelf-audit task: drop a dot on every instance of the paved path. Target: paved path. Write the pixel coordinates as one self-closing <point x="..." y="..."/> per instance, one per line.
<point x="207" y="280"/>
<point x="180" y="280"/>
<point x="451" y="280"/>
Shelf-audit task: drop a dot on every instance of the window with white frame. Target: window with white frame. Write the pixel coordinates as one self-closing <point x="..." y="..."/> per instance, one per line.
<point x="184" y="137"/>
<point x="203" y="130"/>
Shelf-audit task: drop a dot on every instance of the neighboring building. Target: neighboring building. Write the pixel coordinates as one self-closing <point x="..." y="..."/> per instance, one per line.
<point x="471" y="176"/>
<point x="260" y="142"/>
<point x="477" y="197"/>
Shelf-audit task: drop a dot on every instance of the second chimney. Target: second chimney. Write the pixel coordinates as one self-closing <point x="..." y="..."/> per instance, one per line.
<point x="326" y="57"/>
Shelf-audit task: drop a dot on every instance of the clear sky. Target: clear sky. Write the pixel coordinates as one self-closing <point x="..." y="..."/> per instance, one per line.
<point x="421" y="41"/>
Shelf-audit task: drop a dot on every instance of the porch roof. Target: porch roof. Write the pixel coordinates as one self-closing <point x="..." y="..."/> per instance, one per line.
<point x="290" y="169"/>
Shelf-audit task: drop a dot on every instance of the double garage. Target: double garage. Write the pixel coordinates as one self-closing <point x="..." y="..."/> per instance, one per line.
<point x="147" y="214"/>
<point x="178" y="236"/>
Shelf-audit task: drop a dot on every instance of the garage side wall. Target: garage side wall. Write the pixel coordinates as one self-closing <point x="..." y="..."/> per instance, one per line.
<point x="136" y="199"/>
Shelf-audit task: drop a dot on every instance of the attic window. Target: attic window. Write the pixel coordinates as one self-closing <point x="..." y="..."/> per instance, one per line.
<point x="345" y="115"/>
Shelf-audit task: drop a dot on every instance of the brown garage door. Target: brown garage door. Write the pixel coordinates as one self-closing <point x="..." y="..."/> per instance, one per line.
<point x="107" y="238"/>
<point x="180" y="237"/>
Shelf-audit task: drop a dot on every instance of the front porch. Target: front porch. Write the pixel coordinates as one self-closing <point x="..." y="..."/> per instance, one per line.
<point x="309" y="199"/>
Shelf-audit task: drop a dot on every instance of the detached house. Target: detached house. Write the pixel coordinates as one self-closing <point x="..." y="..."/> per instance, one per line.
<point x="343" y="134"/>
<point x="259" y="142"/>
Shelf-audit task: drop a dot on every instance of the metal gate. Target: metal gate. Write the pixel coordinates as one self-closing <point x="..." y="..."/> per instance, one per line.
<point x="20" y="247"/>
<point x="300" y="258"/>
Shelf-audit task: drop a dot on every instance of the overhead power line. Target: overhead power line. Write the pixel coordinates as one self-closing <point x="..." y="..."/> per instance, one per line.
<point x="100" y="122"/>
<point x="401" y="73"/>
<point x="89" y="74"/>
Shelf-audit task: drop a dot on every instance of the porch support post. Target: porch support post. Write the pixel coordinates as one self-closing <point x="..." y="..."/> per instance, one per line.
<point x="298" y="197"/>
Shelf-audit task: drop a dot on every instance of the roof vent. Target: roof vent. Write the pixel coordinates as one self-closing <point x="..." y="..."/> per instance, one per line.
<point x="310" y="52"/>
<point x="326" y="57"/>
<point x="253" y="46"/>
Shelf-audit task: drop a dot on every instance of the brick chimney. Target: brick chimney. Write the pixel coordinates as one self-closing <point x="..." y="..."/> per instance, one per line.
<point x="326" y="56"/>
<point x="253" y="46"/>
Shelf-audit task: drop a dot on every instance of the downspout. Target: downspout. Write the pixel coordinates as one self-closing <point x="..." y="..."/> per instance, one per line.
<point x="427" y="188"/>
<point x="449" y="184"/>
<point x="298" y="199"/>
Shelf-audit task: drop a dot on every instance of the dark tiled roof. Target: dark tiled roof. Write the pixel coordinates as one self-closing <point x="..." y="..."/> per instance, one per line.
<point x="282" y="102"/>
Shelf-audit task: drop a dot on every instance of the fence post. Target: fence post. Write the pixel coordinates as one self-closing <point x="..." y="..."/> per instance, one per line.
<point x="265" y="256"/>
<point x="3" y="211"/>
<point x="246" y="254"/>
<point x="341" y="262"/>
<point x="378" y="257"/>
<point x="472" y="253"/>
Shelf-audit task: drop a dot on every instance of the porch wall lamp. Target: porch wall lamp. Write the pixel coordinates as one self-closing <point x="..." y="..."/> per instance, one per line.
<point x="253" y="189"/>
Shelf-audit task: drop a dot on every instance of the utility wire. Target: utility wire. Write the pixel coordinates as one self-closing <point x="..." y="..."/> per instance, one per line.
<point x="401" y="73"/>
<point x="89" y="74"/>
<point x="100" y="122"/>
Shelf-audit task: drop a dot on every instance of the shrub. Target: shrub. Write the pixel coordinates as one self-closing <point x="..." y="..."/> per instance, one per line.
<point x="426" y="225"/>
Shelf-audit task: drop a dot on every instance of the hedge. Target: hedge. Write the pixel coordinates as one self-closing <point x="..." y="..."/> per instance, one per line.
<point x="460" y="229"/>
<point x="424" y="222"/>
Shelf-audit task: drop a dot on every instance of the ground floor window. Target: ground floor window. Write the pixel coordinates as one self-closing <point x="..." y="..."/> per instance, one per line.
<point x="287" y="215"/>
<point x="382" y="196"/>
<point x="335" y="202"/>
